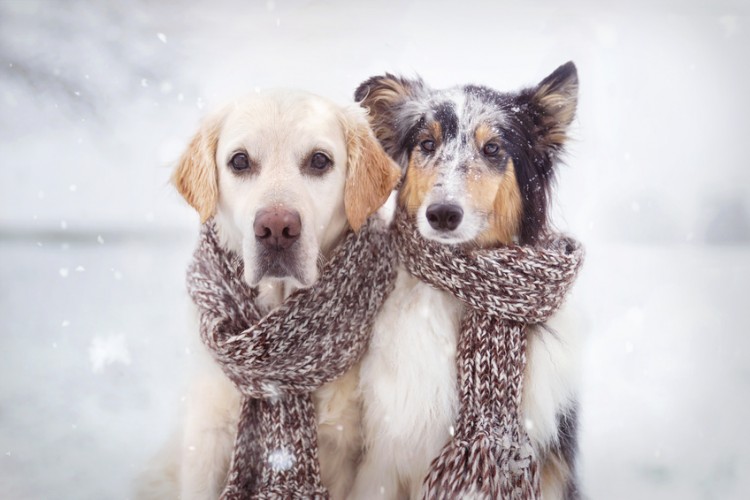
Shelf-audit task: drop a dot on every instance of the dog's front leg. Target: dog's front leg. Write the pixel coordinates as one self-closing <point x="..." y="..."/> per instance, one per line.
<point x="208" y="436"/>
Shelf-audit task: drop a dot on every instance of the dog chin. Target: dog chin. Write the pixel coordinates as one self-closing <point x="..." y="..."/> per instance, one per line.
<point x="276" y="271"/>
<point x="457" y="237"/>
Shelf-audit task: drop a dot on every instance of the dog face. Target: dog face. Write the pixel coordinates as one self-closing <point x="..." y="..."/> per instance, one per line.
<point x="284" y="173"/>
<point x="478" y="163"/>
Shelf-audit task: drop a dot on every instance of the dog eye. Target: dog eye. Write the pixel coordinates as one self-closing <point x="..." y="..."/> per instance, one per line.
<point x="319" y="161"/>
<point x="491" y="149"/>
<point x="239" y="162"/>
<point x="427" y="146"/>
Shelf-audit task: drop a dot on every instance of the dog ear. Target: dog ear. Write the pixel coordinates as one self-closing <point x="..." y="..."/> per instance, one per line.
<point x="195" y="176"/>
<point x="556" y="99"/>
<point x="386" y="99"/>
<point x="371" y="174"/>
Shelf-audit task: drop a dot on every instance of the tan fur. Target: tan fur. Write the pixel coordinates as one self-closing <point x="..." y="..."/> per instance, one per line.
<point x="371" y="173"/>
<point x="556" y="475"/>
<point x="436" y="132"/>
<point x="559" y="109"/>
<point x="417" y="183"/>
<point x="380" y="100"/>
<point x="339" y="432"/>
<point x="506" y="209"/>
<point x="195" y="177"/>
<point x="484" y="134"/>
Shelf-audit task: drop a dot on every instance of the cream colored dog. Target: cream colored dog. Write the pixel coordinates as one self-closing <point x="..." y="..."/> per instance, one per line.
<point x="284" y="174"/>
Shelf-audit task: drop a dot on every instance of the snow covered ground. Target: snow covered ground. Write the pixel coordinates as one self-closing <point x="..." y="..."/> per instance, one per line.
<point x="98" y="98"/>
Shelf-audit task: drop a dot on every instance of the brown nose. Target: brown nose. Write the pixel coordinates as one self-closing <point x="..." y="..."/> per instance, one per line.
<point x="277" y="228"/>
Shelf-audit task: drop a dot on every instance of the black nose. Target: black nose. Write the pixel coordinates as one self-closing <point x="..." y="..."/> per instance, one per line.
<point x="277" y="228"/>
<point x="444" y="216"/>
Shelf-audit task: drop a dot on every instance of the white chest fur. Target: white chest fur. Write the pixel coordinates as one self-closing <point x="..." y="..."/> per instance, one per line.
<point x="408" y="384"/>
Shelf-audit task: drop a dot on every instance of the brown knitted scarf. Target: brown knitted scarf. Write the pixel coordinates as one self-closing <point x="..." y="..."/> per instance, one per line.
<point x="278" y="360"/>
<point x="503" y="290"/>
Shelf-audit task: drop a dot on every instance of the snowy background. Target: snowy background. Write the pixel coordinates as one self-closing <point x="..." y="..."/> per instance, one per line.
<point x="97" y="99"/>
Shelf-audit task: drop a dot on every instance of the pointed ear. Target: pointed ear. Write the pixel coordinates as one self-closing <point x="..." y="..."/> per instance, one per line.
<point x="371" y="174"/>
<point x="556" y="98"/>
<point x="195" y="177"/>
<point x="386" y="99"/>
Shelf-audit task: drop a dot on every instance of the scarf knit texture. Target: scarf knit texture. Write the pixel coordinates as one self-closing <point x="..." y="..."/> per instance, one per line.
<point x="318" y="333"/>
<point x="276" y="361"/>
<point x="503" y="290"/>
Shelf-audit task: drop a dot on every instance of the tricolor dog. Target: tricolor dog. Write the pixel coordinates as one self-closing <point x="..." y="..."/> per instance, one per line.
<point x="478" y="170"/>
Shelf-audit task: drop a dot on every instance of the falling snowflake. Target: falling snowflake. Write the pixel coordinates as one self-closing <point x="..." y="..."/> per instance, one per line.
<point x="162" y="37"/>
<point x="105" y="351"/>
<point x="281" y="460"/>
<point x="274" y="394"/>
<point x="64" y="272"/>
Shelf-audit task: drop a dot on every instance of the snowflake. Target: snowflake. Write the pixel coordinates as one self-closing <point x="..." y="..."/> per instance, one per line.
<point x="104" y="351"/>
<point x="281" y="460"/>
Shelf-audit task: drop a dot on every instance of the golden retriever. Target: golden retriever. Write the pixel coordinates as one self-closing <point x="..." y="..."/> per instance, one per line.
<point x="283" y="174"/>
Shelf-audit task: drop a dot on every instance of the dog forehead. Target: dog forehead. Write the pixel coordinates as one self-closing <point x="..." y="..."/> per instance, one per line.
<point x="461" y="111"/>
<point x="484" y="106"/>
<point x="276" y="114"/>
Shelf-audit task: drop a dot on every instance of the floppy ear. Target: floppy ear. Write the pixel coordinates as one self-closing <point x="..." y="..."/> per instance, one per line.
<point x="371" y="175"/>
<point x="196" y="177"/>
<point x="556" y="98"/>
<point x="386" y="99"/>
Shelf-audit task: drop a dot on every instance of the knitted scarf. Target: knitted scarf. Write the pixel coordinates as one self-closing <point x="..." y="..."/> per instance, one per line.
<point x="277" y="360"/>
<point x="503" y="290"/>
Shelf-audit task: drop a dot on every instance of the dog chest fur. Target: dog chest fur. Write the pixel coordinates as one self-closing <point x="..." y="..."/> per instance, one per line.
<point x="408" y="382"/>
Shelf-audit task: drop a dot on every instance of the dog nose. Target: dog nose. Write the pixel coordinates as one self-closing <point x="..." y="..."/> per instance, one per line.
<point x="444" y="216"/>
<point x="277" y="227"/>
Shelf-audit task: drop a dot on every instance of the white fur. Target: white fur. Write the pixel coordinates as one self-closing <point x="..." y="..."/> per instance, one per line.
<point x="408" y="381"/>
<point x="278" y="130"/>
